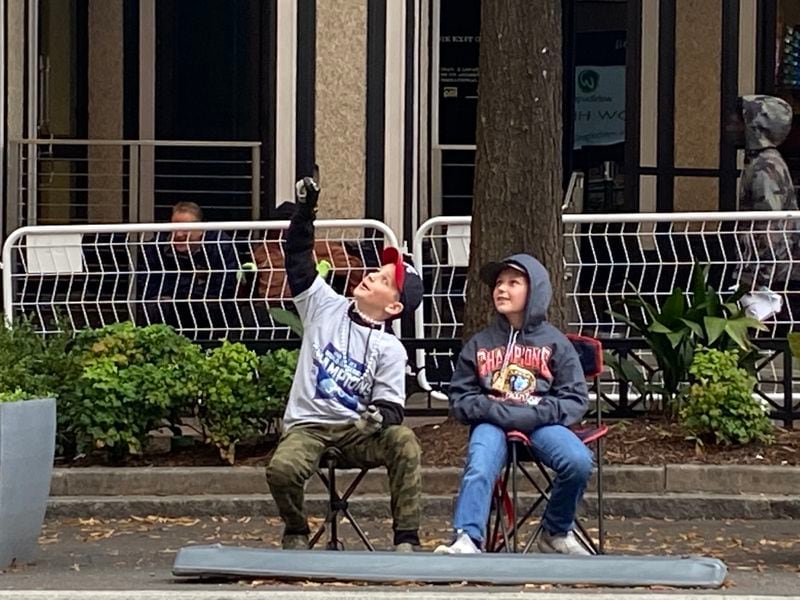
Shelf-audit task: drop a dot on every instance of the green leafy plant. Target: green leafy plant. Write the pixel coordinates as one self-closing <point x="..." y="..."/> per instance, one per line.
<point x="719" y="406"/>
<point x="685" y="322"/>
<point x="132" y="380"/>
<point x="33" y="363"/>
<point x="287" y="318"/>
<point x="276" y="372"/>
<point x="233" y="406"/>
<point x="18" y="395"/>
<point x="794" y="343"/>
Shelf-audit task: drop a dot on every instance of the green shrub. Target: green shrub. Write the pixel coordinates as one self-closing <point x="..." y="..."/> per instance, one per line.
<point x="131" y="381"/>
<point x="32" y="363"/>
<point x="242" y="394"/>
<point x="719" y="404"/>
<point x="276" y="371"/>
<point x="232" y="407"/>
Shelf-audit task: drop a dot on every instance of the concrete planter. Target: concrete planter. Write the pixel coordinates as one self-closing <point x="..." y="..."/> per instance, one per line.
<point x="27" y="444"/>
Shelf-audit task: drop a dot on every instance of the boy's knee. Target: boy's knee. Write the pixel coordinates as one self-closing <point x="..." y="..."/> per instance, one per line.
<point x="282" y="473"/>
<point x="579" y="466"/>
<point x="403" y="443"/>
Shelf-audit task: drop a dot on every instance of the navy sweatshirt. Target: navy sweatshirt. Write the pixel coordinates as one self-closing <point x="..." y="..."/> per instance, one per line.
<point x="520" y="379"/>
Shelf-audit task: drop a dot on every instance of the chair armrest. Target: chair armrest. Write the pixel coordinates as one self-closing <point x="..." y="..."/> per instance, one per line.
<point x="591" y="434"/>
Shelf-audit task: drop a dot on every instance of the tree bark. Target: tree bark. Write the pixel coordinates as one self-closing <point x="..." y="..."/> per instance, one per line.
<point x="518" y="170"/>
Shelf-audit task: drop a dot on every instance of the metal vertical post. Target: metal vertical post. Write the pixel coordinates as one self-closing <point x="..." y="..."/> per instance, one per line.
<point x="3" y="92"/>
<point x="133" y="183"/>
<point x="32" y="39"/>
<point x="255" y="172"/>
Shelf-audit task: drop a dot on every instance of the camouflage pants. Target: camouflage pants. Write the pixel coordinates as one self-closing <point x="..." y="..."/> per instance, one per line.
<point x="298" y="454"/>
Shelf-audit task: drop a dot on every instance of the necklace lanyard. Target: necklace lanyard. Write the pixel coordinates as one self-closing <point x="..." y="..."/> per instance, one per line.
<point x="370" y="358"/>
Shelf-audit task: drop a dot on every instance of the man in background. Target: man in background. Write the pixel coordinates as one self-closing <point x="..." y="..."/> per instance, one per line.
<point x="188" y="278"/>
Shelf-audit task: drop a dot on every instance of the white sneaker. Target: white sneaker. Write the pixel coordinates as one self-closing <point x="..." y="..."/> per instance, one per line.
<point x="564" y="543"/>
<point x="462" y="545"/>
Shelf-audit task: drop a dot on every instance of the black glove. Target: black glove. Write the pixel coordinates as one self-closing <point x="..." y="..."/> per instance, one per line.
<point x="307" y="193"/>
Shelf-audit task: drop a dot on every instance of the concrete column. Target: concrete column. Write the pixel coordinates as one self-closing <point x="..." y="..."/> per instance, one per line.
<point x="15" y="104"/>
<point x="341" y="102"/>
<point x="105" y="31"/>
<point x="395" y="116"/>
<point x="285" y="101"/>
<point x="698" y="55"/>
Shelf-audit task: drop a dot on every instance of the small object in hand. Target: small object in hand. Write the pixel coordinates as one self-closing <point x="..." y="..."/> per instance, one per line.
<point x="371" y="420"/>
<point x="307" y="192"/>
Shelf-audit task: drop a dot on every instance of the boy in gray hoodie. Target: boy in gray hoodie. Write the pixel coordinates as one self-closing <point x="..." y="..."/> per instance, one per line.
<point x="520" y="373"/>
<point x="767" y="185"/>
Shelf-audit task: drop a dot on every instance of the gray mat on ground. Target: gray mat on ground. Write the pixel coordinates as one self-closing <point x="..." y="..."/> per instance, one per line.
<point x="511" y="569"/>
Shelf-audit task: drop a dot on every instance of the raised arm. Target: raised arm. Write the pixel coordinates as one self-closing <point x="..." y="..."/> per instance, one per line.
<point x="299" y="246"/>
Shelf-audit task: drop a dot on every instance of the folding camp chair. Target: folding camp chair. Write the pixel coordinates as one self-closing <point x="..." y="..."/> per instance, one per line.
<point x="506" y="522"/>
<point x="337" y="503"/>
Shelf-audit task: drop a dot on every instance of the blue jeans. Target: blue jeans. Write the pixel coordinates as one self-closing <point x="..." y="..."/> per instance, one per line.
<point x="555" y="445"/>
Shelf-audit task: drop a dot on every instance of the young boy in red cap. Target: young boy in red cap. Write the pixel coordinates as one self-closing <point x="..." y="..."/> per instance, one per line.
<point x="349" y="386"/>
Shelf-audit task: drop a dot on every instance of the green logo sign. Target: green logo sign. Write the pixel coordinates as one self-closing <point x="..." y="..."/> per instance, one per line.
<point x="588" y="81"/>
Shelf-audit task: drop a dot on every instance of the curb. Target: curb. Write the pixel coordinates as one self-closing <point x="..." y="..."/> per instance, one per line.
<point x="654" y="506"/>
<point x="190" y="481"/>
<point x="669" y="491"/>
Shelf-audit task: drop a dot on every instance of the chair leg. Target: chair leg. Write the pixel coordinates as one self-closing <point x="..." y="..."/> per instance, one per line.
<point x="601" y="532"/>
<point x="504" y="516"/>
<point x="514" y="498"/>
<point x="333" y="508"/>
<point x="324" y="527"/>
<point x="339" y="504"/>
<point x="544" y="497"/>
<point x="343" y="505"/>
<point x="493" y="524"/>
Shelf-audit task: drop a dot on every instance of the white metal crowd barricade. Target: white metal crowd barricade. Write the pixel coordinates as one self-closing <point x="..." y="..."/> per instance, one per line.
<point x="441" y="254"/>
<point x="604" y="253"/>
<point x="93" y="275"/>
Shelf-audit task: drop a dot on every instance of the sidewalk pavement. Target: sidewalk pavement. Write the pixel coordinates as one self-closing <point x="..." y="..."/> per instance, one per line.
<point x="137" y="554"/>
<point x="669" y="491"/>
<point x="371" y="594"/>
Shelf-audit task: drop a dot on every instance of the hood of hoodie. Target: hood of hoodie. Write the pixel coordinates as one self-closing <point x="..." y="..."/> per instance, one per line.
<point x="767" y="121"/>
<point x="540" y="292"/>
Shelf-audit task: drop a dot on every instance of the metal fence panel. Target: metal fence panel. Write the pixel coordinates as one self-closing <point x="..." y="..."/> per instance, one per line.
<point x="222" y="284"/>
<point x="92" y="275"/>
<point x="606" y="257"/>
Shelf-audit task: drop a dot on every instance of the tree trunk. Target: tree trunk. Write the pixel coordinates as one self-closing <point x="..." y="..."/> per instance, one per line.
<point x="518" y="193"/>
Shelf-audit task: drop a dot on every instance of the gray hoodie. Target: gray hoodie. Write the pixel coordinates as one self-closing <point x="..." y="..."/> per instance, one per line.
<point x="767" y="185"/>
<point x="520" y="379"/>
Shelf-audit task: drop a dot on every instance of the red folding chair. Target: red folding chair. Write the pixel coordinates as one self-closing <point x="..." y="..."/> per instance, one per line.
<point x="505" y="521"/>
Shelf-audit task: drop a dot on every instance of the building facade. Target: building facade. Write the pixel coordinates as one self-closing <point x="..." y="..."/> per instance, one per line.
<point x="115" y="109"/>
